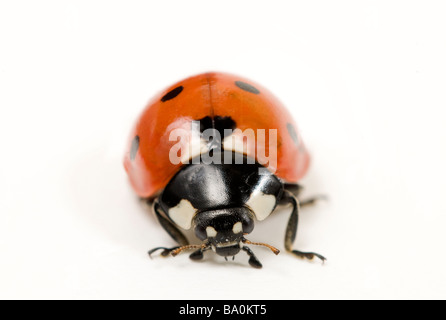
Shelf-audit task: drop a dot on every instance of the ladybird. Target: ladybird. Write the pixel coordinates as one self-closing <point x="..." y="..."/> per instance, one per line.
<point x="214" y="153"/>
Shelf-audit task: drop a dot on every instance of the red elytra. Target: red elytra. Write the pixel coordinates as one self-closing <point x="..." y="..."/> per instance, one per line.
<point x="248" y="104"/>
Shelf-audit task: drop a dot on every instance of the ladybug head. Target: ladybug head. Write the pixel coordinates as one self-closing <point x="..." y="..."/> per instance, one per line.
<point x="223" y="229"/>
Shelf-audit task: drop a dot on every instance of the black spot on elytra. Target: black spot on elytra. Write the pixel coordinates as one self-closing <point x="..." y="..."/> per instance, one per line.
<point x="172" y="94"/>
<point x="135" y="147"/>
<point x="293" y="133"/>
<point x="218" y="123"/>
<point x="247" y="87"/>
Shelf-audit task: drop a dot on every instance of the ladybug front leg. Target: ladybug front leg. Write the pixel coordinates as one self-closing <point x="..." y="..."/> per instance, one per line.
<point x="291" y="230"/>
<point x="311" y="201"/>
<point x="171" y="229"/>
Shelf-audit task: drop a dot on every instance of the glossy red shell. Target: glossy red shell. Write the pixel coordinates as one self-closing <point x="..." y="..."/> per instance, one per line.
<point x="210" y="94"/>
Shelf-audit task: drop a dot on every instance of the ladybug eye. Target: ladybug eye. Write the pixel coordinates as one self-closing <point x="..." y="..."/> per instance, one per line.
<point x="248" y="225"/>
<point x="200" y="232"/>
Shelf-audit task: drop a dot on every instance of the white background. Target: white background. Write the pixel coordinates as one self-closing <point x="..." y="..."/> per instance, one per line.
<point x="365" y="80"/>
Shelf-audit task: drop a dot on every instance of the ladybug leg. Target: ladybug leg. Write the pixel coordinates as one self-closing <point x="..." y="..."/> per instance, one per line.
<point x="312" y="201"/>
<point x="149" y="201"/>
<point x="173" y="231"/>
<point x="291" y="230"/>
<point x="297" y="189"/>
<point x="294" y="188"/>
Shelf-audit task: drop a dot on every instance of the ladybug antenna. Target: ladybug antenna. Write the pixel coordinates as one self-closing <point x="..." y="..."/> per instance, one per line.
<point x="273" y="249"/>
<point x="188" y="247"/>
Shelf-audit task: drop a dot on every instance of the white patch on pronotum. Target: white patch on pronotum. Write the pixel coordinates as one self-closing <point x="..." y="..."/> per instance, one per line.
<point x="241" y="141"/>
<point x="182" y="214"/>
<point x="234" y="143"/>
<point x="261" y="204"/>
<point x="196" y="147"/>
<point x="237" y="228"/>
<point x="211" y="232"/>
<point x="189" y="144"/>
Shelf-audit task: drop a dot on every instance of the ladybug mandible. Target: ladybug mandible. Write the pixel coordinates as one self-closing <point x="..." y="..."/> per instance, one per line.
<point x="214" y="153"/>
